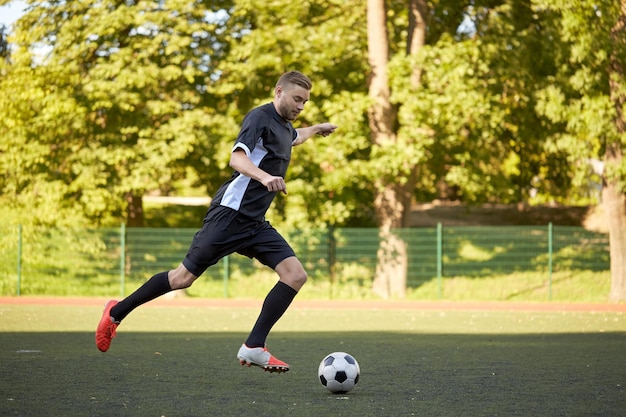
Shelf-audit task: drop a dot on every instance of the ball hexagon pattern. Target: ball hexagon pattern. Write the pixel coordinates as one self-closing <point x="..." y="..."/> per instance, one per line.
<point x="339" y="372"/>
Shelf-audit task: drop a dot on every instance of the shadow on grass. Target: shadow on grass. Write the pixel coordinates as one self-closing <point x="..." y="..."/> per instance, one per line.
<point x="197" y="374"/>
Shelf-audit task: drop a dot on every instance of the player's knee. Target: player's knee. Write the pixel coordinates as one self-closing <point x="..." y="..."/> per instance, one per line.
<point x="181" y="278"/>
<point x="299" y="279"/>
<point x="303" y="277"/>
<point x="292" y="273"/>
<point x="181" y="283"/>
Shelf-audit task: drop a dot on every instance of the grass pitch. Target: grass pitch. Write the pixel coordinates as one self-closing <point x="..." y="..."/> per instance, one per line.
<point x="180" y="361"/>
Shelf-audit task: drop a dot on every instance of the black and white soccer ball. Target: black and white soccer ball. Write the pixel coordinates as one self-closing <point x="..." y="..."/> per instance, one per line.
<point x="339" y="372"/>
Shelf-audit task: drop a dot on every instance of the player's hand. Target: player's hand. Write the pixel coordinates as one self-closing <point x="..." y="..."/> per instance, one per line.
<point x="275" y="184"/>
<point x="325" y="129"/>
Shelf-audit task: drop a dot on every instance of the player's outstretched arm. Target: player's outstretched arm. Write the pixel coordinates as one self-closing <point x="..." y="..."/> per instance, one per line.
<point x="305" y="133"/>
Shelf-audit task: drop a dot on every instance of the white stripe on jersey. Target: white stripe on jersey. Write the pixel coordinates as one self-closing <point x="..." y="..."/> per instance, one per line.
<point x="233" y="196"/>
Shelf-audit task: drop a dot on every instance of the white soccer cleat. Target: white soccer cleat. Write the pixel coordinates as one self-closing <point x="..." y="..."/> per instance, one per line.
<point x="261" y="357"/>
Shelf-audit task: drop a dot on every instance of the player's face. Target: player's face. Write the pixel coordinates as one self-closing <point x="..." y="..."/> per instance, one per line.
<point x="290" y="100"/>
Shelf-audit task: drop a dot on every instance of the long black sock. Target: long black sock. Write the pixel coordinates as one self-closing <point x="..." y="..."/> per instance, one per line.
<point x="156" y="286"/>
<point x="275" y="304"/>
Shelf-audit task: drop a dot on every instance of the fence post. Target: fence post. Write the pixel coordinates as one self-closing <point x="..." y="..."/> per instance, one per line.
<point x="550" y="261"/>
<point x="19" y="260"/>
<point x="226" y="274"/>
<point x="439" y="260"/>
<point x="332" y="248"/>
<point x="122" y="259"/>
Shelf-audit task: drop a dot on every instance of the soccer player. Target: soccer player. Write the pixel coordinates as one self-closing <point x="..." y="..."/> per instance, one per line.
<point x="235" y="221"/>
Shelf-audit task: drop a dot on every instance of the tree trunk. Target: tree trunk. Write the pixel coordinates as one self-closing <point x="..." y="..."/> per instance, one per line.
<point x="392" y="261"/>
<point x="418" y="11"/>
<point x="390" y="272"/>
<point x="615" y="209"/>
<point x="613" y="196"/>
<point x="381" y="113"/>
<point x="393" y="199"/>
<point x="134" y="210"/>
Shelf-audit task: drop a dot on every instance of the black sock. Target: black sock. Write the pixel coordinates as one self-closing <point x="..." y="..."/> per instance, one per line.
<point x="275" y="304"/>
<point x="156" y="286"/>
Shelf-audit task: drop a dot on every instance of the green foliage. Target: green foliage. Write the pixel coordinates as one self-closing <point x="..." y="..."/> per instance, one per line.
<point x="473" y="113"/>
<point x="108" y="101"/>
<point x="579" y="97"/>
<point x="105" y="99"/>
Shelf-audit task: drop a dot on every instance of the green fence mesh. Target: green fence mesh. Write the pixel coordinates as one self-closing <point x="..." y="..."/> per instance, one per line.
<point x="66" y="261"/>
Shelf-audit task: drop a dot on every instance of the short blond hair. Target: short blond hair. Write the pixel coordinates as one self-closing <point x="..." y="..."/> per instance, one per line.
<point x="294" y="78"/>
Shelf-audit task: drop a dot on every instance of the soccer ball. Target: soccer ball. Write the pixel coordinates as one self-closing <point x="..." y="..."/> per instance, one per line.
<point x="339" y="372"/>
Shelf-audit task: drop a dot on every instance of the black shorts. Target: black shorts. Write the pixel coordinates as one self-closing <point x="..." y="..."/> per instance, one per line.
<point x="226" y="231"/>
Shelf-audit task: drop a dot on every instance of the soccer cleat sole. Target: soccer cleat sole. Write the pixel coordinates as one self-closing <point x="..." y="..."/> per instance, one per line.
<point x="267" y="368"/>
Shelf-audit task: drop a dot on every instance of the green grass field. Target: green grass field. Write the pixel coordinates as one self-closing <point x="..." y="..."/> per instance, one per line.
<point x="180" y="361"/>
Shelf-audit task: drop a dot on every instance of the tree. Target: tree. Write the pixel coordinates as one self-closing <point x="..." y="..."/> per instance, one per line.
<point x="463" y="112"/>
<point x="111" y="102"/>
<point x="474" y="109"/>
<point x="390" y="275"/>
<point x="400" y="138"/>
<point x="614" y="186"/>
<point x="587" y="100"/>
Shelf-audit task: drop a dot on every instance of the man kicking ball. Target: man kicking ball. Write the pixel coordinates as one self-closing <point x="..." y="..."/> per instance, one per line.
<point x="235" y="221"/>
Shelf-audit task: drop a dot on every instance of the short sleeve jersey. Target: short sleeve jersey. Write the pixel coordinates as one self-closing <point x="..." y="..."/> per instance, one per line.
<point x="267" y="139"/>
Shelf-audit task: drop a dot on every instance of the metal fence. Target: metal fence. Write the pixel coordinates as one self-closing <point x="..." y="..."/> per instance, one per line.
<point x="39" y="261"/>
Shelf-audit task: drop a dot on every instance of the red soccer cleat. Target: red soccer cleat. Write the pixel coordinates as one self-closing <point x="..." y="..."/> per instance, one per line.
<point x="106" y="328"/>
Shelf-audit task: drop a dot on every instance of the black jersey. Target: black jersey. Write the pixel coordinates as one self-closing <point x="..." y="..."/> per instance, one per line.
<point x="267" y="138"/>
